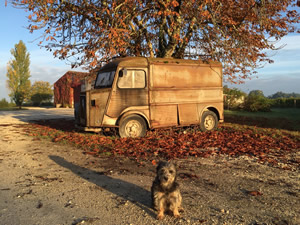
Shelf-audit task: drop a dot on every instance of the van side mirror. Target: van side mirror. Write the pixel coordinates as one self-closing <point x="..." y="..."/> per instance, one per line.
<point x="122" y="72"/>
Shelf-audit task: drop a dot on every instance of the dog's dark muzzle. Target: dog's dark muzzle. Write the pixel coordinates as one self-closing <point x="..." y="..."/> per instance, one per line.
<point x="165" y="178"/>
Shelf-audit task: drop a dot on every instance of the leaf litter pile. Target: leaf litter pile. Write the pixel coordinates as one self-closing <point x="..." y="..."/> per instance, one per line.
<point x="271" y="146"/>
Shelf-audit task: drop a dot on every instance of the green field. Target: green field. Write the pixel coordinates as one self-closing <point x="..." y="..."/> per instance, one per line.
<point x="280" y="118"/>
<point x="12" y="109"/>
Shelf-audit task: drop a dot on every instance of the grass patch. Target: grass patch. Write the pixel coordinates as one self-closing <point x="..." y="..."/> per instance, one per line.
<point x="279" y="118"/>
<point x="290" y="113"/>
<point x="12" y="109"/>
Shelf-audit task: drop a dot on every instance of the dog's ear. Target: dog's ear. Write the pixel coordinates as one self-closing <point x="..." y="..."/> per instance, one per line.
<point x="160" y="165"/>
<point x="172" y="162"/>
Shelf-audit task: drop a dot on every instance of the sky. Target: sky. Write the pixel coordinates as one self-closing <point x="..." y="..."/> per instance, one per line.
<point x="283" y="75"/>
<point x="43" y="65"/>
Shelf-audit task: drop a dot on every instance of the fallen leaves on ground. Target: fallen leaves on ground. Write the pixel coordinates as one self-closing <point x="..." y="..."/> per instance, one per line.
<point x="267" y="145"/>
<point x="254" y="193"/>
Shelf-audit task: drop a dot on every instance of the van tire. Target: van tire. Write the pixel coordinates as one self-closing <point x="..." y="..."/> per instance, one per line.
<point x="209" y="121"/>
<point x="132" y="126"/>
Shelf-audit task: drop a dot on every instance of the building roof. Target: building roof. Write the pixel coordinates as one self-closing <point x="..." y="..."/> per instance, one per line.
<point x="72" y="76"/>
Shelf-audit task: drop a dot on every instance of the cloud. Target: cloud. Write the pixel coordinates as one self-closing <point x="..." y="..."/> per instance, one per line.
<point x="270" y="85"/>
<point x="286" y="60"/>
<point x="292" y="42"/>
<point x="3" y="78"/>
<point x="47" y="68"/>
<point x="48" y="73"/>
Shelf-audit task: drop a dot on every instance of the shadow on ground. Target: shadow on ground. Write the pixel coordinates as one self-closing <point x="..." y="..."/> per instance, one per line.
<point x="58" y="124"/>
<point x="68" y="125"/>
<point x="128" y="191"/>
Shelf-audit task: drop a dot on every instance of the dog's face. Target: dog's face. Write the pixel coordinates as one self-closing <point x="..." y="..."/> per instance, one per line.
<point x="166" y="172"/>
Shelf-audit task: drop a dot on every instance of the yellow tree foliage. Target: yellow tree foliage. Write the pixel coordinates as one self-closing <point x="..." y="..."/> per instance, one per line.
<point x="18" y="74"/>
<point x="41" y="91"/>
<point x="236" y="32"/>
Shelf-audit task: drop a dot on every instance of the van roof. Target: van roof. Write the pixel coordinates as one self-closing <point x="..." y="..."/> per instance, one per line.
<point x="144" y="61"/>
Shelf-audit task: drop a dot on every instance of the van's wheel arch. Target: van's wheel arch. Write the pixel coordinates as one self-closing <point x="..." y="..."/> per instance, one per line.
<point x="209" y="121"/>
<point x="132" y="126"/>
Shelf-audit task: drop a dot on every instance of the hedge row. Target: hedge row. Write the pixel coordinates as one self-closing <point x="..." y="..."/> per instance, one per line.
<point x="255" y="103"/>
<point x="285" y="102"/>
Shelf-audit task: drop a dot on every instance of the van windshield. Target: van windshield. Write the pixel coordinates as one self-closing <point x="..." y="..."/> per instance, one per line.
<point x="104" y="79"/>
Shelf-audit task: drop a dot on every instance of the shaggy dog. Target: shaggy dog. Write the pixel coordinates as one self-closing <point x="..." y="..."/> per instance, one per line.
<point x="165" y="191"/>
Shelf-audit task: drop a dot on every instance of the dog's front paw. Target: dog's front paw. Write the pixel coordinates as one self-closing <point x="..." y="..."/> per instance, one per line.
<point x="177" y="215"/>
<point x="160" y="216"/>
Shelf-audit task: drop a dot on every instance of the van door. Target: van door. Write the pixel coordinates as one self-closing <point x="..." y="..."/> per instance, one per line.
<point x="97" y="98"/>
<point x="130" y="90"/>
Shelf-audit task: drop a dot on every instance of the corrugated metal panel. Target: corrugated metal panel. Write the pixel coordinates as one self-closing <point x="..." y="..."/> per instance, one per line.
<point x="185" y="76"/>
<point x="163" y="115"/>
<point x="172" y="96"/>
<point x="188" y="114"/>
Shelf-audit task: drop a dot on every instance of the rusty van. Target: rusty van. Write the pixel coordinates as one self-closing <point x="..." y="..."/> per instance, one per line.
<point x="134" y="94"/>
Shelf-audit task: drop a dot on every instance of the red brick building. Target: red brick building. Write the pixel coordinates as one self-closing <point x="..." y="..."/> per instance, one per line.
<point x="64" y="87"/>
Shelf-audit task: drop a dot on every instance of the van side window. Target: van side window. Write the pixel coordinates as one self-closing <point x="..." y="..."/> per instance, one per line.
<point x="133" y="79"/>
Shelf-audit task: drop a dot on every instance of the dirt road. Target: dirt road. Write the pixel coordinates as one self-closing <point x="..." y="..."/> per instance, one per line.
<point x="34" y="113"/>
<point x="48" y="183"/>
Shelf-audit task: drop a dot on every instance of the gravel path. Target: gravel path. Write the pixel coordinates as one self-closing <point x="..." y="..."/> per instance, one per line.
<point x="49" y="183"/>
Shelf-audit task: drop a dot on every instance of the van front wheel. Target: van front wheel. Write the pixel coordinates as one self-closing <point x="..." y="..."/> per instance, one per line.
<point x="132" y="126"/>
<point x="209" y="121"/>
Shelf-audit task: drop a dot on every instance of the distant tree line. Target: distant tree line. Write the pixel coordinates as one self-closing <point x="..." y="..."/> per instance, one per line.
<point x="5" y="104"/>
<point x="40" y="94"/>
<point x="255" y="101"/>
<point x="280" y="94"/>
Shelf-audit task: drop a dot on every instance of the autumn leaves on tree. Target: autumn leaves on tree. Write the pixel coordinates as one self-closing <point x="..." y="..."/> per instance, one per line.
<point x="237" y="33"/>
